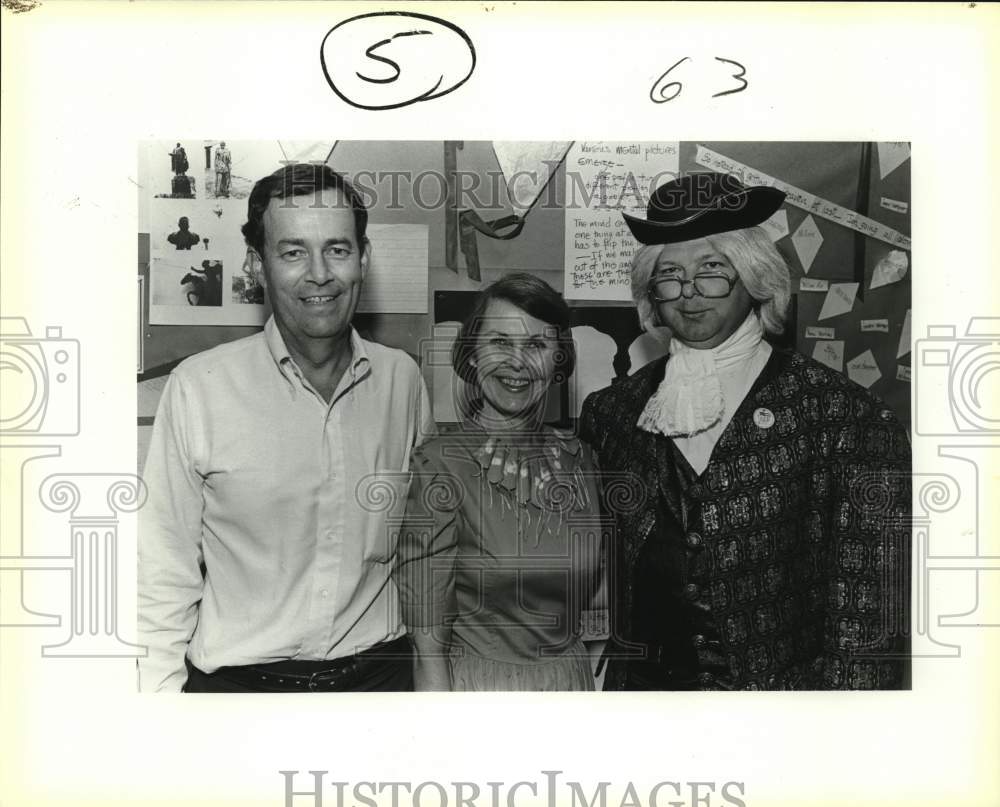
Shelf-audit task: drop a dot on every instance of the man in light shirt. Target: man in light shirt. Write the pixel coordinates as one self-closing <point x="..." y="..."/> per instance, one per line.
<point x="262" y="566"/>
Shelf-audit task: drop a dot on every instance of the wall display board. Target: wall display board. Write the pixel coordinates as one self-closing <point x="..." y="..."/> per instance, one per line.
<point x="843" y="231"/>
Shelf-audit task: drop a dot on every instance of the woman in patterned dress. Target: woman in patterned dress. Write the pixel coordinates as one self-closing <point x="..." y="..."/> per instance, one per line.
<point x="499" y="557"/>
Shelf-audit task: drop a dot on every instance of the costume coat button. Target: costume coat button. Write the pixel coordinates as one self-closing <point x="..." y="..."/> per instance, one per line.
<point x="691" y="591"/>
<point x="698" y="640"/>
<point x="694" y="540"/>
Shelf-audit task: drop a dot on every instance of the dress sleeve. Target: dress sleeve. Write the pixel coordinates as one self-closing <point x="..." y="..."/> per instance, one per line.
<point x="866" y="637"/>
<point x="425" y="558"/>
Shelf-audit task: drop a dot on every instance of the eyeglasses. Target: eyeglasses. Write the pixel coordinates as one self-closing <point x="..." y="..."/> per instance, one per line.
<point x="668" y="289"/>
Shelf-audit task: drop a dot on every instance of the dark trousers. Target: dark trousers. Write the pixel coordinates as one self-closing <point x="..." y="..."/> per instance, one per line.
<point x="387" y="667"/>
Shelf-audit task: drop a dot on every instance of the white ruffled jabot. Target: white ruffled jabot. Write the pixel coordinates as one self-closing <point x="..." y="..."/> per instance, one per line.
<point x="690" y="398"/>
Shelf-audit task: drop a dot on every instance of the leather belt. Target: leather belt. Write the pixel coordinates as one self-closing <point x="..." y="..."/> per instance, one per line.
<point x="318" y="676"/>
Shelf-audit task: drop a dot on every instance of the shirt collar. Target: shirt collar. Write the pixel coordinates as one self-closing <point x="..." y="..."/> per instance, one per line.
<point x="360" y="360"/>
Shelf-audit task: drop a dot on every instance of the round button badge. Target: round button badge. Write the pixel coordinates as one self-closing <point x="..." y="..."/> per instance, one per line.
<point x="763" y="417"/>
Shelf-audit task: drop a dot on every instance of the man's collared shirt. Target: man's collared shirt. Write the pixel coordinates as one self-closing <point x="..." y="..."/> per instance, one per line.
<point x="266" y="536"/>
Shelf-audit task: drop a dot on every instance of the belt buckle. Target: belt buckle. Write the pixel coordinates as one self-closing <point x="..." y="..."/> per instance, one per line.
<point x="326" y="679"/>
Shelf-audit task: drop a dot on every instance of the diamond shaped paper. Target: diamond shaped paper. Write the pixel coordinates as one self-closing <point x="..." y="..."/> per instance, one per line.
<point x="807" y="240"/>
<point x="839" y="300"/>
<point x="863" y="369"/>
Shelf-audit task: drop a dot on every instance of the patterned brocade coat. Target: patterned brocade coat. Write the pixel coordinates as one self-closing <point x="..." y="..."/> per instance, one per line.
<point x="785" y="564"/>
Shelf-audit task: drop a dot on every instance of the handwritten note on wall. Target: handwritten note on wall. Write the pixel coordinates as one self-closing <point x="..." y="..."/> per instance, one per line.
<point x="604" y="179"/>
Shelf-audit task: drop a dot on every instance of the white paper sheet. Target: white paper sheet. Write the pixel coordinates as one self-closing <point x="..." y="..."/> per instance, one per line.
<point x="813" y="284"/>
<point x="894" y="205"/>
<point x="527" y="167"/>
<point x="602" y="180"/>
<point x="306" y="151"/>
<point x="875" y="325"/>
<point x="397" y="275"/>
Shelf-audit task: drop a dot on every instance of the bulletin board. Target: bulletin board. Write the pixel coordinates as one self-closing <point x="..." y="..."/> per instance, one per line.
<point x="866" y="338"/>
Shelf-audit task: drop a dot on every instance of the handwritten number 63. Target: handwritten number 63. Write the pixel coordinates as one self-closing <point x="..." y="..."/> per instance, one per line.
<point x="660" y="93"/>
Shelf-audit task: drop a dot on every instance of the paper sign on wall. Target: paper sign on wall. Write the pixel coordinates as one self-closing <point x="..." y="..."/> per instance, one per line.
<point x="527" y="167"/>
<point x="776" y="227"/>
<point x="902" y="372"/>
<point x="894" y="205"/>
<point x="813" y="284"/>
<point x="890" y="269"/>
<point x="831" y="354"/>
<point x="875" y="325"/>
<point x="839" y="300"/>
<point x="891" y="156"/>
<point x="807" y="241"/>
<point x="863" y="369"/>
<point x="815" y="332"/>
<point x="603" y="180"/>
<point x="397" y="276"/>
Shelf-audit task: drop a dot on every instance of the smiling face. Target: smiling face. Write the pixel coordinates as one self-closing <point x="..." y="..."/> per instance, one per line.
<point x="514" y="363"/>
<point x="312" y="267"/>
<point x="700" y="322"/>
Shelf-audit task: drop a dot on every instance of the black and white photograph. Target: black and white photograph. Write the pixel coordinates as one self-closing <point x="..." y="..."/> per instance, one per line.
<point x="586" y="404"/>
<point x="723" y="508"/>
<point x="175" y="170"/>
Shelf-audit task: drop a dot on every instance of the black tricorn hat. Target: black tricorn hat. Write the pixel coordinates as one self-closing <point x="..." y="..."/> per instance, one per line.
<point x="702" y="203"/>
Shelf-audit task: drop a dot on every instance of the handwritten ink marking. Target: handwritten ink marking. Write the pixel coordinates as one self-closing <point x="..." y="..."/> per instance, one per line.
<point x="658" y="92"/>
<point x="653" y="92"/>
<point x="438" y="62"/>
<point x="370" y="53"/>
<point x="737" y="76"/>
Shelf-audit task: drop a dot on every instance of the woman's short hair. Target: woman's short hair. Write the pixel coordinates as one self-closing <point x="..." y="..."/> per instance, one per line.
<point x="757" y="262"/>
<point x="298" y="179"/>
<point x="532" y="295"/>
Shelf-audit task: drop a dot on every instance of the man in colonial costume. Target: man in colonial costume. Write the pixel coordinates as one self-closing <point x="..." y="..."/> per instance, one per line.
<point x="770" y="549"/>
